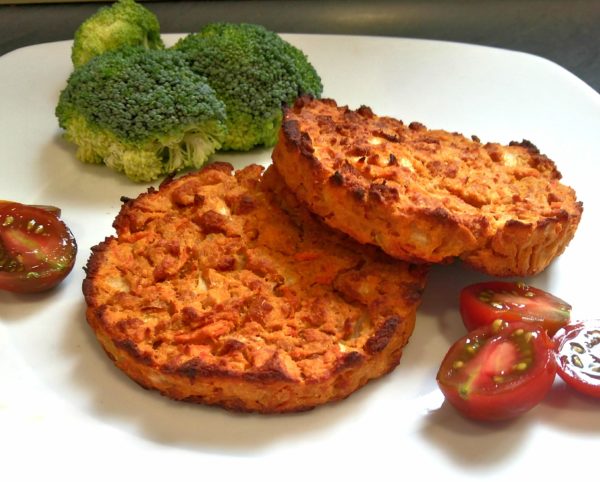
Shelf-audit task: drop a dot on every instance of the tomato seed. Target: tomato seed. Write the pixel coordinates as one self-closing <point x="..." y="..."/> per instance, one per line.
<point x="576" y="361"/>
<point x="577" y="347"/>
<point x="471" y="348"/>
<point x="8" y="220"/>
<point x="498" y="325"/>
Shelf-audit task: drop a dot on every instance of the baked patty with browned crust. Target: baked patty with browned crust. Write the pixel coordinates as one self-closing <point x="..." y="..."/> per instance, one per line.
<point x="221" y="288"/>
<point x="426" y="195"/>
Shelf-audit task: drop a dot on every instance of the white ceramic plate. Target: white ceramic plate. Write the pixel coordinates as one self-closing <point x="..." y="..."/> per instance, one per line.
<point x="66" y="412"/>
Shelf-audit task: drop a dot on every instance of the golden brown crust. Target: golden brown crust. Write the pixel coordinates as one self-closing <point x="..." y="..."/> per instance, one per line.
<point x="220" y="288"/>
<point x="426" y="195"/>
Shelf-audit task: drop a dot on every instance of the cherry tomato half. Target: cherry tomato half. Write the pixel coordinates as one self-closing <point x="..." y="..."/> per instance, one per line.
<point x="483" y="303"/>
<point x="498" y="371"/>
<point x="37" y="250"/>
<point x="578" y="356"/>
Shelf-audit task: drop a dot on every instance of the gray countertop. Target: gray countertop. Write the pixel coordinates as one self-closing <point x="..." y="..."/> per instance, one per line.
<point x="563" y="31"/>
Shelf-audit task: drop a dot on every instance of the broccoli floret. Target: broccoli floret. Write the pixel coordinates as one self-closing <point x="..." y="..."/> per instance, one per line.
<point x="253" y="71"/>
<point x="142" y="112"/>
<point x="124" y="23"/>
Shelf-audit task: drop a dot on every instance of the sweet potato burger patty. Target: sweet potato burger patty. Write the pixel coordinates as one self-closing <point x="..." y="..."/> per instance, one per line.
<point x="426" y="195"/>
<point x="220" y="288"/>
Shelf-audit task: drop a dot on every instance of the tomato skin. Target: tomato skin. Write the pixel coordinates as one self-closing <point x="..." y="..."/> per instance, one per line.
<point x="37" y="249"/>
<point x="500" y="349"/>
<point x="577" y="348"/>
<point x="46" y="207"/>
<point x="483" y="303"/>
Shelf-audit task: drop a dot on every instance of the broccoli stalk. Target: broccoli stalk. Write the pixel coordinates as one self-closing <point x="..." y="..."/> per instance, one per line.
<point x="254" y="72"/>
<point x="141" y="112"/>
<point x="125" y="23"/>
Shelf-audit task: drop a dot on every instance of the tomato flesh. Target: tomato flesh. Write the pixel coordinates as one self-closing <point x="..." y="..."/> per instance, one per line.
<point x="37" y="250"/>
<point x="483" y="303"/>
<point x="578" y="356"/>
<point x="498" y="371"/>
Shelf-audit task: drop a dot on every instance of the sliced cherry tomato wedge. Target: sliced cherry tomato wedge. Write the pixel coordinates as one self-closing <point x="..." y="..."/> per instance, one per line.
<point x="483" y="303"/>
<point x="578" y="356"/>
<point x="498" y="371"/>
<point x="37" y="250"/>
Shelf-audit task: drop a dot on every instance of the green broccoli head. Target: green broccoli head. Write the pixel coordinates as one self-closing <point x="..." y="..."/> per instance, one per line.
<point x="254" y="72"/>
<point x="141" y="112"/>
<point x="124" y="23"/>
